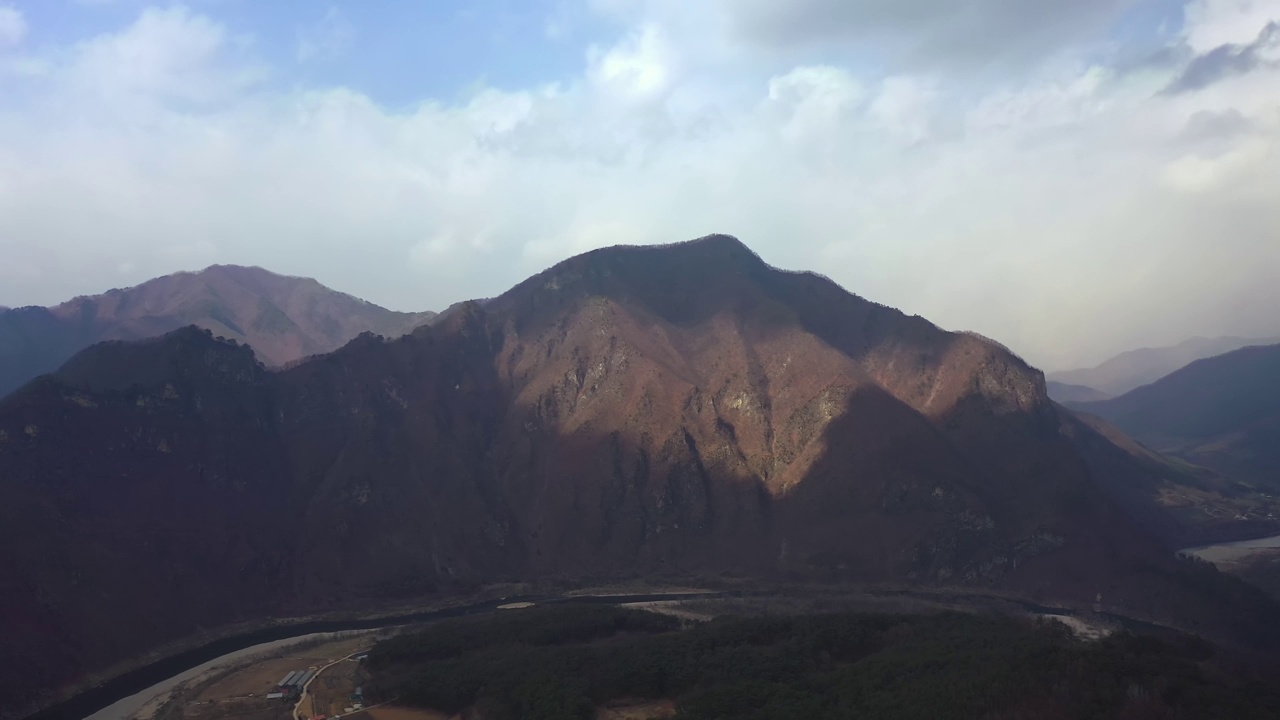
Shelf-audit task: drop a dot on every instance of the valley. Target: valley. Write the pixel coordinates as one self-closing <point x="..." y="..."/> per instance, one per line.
<point x="1220" y="413"/>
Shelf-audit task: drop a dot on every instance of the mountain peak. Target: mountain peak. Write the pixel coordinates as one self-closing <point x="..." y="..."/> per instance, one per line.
<point x="678" y="281"/>
<point x="716" y="248"/>
<point x="284" y="318"/>
<point x="253" y="272"/>
<point x="185" y="352"/>
<point x="717" y="244"/>
<point x="710" y="253"/>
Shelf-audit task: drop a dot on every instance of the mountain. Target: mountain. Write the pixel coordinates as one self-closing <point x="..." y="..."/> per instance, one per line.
<point x="1064" y="393"/>
<point x="681" y="412"/>
<point x="283" y="318"/>
<point x="1221" y="413"/>
<point x="1136" y="368"/>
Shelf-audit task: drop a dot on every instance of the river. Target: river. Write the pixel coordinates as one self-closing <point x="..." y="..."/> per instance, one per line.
<point x="125" y="694"/>
<point x="1232" y="551"/>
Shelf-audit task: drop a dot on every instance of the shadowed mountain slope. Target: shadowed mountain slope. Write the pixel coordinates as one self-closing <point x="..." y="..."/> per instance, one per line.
<point x="683" y="411"/>
<point x="1221" y="413"/>
<point x="283" y="318"/>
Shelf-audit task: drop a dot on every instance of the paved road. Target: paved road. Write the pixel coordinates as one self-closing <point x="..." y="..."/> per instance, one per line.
<point x="297" y="713"/>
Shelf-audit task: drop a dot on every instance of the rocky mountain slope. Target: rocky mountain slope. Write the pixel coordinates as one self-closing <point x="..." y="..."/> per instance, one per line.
<point x="1135" y="368"/>
<point x="283" y="318"/>
<point x="681" y="411"/>
<point x="1221" y="413"/>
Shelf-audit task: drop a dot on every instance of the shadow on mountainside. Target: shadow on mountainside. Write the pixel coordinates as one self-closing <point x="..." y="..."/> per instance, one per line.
<point x="681" y="411"/>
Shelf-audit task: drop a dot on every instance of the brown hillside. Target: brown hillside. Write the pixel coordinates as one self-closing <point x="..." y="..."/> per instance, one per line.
<point x="632" y="412"/>
<point x="282" y="318"/>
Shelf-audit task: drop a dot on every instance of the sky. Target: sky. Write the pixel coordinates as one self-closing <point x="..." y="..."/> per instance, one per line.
<point x="1073" y="179"/>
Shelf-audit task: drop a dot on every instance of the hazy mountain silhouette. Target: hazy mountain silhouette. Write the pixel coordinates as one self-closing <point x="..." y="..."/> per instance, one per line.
<point x="283" y="318"/>
<point x="1064" y="393"/>
<point x="1136" y="368"/>
<point x="684" y="411"/>
<point x="1221" y="412"/>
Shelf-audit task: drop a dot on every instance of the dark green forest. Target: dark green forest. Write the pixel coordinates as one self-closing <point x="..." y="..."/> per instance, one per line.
<point x="562" y="662"/>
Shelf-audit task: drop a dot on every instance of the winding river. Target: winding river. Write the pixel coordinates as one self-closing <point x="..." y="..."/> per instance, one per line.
<point x="124" y="695"/>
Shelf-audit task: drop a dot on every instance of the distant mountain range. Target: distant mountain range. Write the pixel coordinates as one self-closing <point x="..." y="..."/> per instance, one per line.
<point x="282" y="318"/>
<point x="1064" y="393"/>
<point x="1136" y="368"/>
<point x="1221" y="413"/>
<point x="678" y="413"/>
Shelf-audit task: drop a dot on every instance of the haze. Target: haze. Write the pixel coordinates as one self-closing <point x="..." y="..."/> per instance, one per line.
<point x="1072" y="179"/>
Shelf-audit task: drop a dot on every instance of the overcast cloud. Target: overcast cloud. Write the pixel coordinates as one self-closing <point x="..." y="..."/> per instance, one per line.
<point x="928" y="31"/>
<point x="1231" y="59"/>
<point x="1055" y="198"/>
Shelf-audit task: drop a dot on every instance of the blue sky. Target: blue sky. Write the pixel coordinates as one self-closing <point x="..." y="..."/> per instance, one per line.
<point x="1072" y="179"/>
<point x="396" y="52"/>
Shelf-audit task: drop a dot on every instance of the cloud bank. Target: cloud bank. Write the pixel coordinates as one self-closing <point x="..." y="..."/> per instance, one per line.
<point x="1073" y="208"/>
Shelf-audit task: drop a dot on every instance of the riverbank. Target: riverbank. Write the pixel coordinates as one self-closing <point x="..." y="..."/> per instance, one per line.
<point x="137" y="673"/>
<point x="199" y="684"/>
<point x="1233" y="551"/>
<point x="145" y="678"/>
<point x="782" y="599"/>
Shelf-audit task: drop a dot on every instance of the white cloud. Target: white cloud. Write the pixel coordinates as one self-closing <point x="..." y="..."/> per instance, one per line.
<point x="905" y="108"/>
<point x="329" y="36"/>
<point x="640" y="69"/>
<point x="1070" y="214"/>
<point x="167" y="55"/>
<point x="13" y="27"/>
<point x="816" y="98"/>
<point x="1214" y="23"/>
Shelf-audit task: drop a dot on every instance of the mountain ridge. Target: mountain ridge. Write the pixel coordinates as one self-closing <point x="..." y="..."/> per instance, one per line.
<point x="284" y="318"/>
<point x="1221" y="412"/>
<point x="1135" y="368"/>
<point x="636" y="412"/>
<point x="1067" y="393"/>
